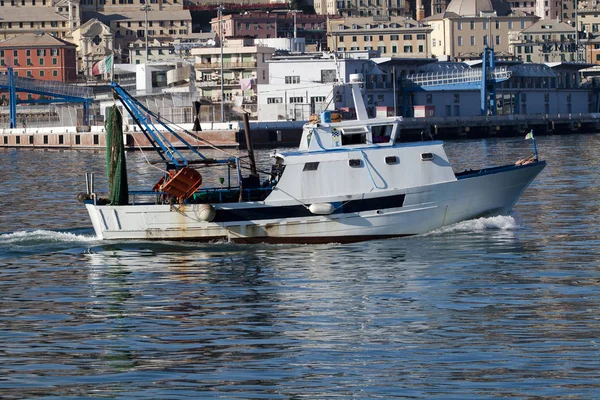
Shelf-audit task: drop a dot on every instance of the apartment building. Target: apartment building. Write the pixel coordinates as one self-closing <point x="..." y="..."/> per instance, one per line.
<point x="56" y="18"/>
<point x="362" y="8"/>
<point x="38" y="56"/>
<point x="546" y="41"/>
<point x="588" y="18"/>
<point x="312" y="28"/>
<point x="162" y="20"/>
<point x="243" y="66"/>
<point x="391" y="36"/>
<point x="467" y="26"/>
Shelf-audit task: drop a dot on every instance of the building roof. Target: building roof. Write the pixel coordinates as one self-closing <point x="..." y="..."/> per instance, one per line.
<point x="469" y="8"/>
<point x="35" y="40"/>
<point x="161" y="15"/>
<point x="549" y="26"/>
<point x="30" y="14"/>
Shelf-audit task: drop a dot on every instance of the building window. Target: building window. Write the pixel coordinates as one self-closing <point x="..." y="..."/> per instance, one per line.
<point x="456" y="98"/>
<point x="460" y="41"/>
<point x="28" y="61"/>
<point x="292" y="79"/>
<point x="274" y="100"/>
<point x="296" y="99"/>
<point x="29" y="74"/>
<point x="41" y="74"/>
<point x="408" y="49"/>
<point x="459" y="25"/>
<point x="54" y="61"/>
<point x="407" y="37"/>
<point x="54" y="73"/>
<point x="41" y="61"/>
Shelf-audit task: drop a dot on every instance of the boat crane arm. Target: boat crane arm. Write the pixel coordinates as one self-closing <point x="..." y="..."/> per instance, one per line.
<point x="142" y="116"/>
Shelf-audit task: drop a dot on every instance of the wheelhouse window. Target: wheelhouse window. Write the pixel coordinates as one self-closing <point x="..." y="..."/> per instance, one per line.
<point x="381" y="133"/>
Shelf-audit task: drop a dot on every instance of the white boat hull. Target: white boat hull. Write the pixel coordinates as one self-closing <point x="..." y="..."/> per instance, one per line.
<point x="408" y="212"/>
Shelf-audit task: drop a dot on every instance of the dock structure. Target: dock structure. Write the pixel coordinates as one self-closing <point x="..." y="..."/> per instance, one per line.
<point x="281" y="133"/>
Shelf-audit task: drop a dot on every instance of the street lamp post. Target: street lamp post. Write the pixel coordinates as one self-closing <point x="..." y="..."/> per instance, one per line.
<point x="221" y="45"/>
<point x="145" y="9"/>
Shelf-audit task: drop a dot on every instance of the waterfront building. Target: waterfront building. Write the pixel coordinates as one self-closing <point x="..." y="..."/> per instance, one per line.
<point x="291" y="24"/>
<point x="391" y="36"/>
<point x="545" y="41"/>
<point x="39" y="56"/>
<point x="302" y="85"/>
<point x="56" y="18"/>
<point x="241" y="69"/>
<point x="531" y="88"/>
<point x="467" y="26"/>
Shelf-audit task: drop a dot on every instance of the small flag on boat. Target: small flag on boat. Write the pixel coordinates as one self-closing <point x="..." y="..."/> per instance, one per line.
<point x="529" y="135"/>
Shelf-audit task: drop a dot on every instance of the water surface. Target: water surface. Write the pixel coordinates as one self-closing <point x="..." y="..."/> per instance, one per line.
<point x="504" y="307"/>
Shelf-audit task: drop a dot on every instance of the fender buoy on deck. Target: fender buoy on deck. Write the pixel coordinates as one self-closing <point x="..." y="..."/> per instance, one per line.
<point x="321" y="208"/>
<point x="205" y="212"/>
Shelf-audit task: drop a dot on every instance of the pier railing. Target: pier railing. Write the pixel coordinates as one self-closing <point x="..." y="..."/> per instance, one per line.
<point x="50" y="87"/>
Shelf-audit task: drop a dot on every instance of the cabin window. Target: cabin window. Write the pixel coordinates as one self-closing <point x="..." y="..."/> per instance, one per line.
<point x="352" y="136"/>
<point x="311" y="166"/>
<point x="427" y="156"/>
<point x="77" y="139"/>
<point x="45" y="139"/>
<point x="60" y="139"/>
<point x="31" y="139"/>
<point x="381" y="133"/>
<point x="355" y="162"/>
<point x="18" y="138"/>
<point x="5" y="139"/>
<point x="391" y="160"/>
<point x="96" y="139"/>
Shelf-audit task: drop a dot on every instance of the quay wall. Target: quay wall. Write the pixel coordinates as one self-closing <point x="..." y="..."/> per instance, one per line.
<point x="288" y="133"/>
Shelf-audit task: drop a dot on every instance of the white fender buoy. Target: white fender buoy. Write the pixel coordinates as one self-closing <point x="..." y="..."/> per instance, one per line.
<point x="321" y="208"/>
<point x="205" y="212"/>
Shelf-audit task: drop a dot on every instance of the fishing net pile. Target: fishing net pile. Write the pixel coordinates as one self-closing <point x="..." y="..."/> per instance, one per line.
<point x="116" y="167"/>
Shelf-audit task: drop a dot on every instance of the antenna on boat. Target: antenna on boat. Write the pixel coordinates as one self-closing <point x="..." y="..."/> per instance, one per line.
<point x="356" y="81"/>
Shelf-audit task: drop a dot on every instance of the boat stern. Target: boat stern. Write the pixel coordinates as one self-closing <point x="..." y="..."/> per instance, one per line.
<point x="96" y="219"/>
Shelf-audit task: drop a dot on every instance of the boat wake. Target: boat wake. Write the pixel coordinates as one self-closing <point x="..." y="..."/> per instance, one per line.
<point x="499" y="223"/>
<point x="43" y="237"/>
<point x="23" y="243"/>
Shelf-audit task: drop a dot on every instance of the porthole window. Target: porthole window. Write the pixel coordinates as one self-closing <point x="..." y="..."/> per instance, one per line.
<point x="391" y="160"/>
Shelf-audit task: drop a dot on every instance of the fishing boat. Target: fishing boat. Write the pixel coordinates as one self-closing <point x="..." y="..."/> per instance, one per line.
<point x="348" y="181"/>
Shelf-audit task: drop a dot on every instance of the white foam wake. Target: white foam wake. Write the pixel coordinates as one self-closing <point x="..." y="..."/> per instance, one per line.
<point x="501" y="222"/>
<point x="44" y="236"/>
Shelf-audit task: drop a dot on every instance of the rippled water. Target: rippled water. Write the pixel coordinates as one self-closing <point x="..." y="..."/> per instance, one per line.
<point x="504" y="307"/>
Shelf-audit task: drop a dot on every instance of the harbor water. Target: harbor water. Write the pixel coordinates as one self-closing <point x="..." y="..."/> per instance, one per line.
<point x="503" y="307"/>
